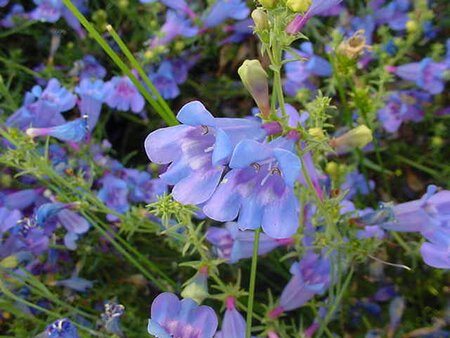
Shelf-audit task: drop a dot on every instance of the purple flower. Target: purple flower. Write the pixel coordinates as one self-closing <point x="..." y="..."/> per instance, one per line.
<point x="171" y="317"/>
<point x="427" y="74"/>
<point x="169" y="75"/>
<point x="43" y="108"/>
<point x="395" y="14"/>
<point x="298" y="72"/>
<point x="259" y="188"/>
<point x="8" y="219"/>
<point x="178" y="5"/>
<point x="61" y="328"/>
<point x="317" y="7"/>
<point x="88" y="67"/>
<point x="435" y="255"/>
<point x="197" y="150"/>
<point x="123" y="95"/>
<point x="142" y="187"/>
<point x="174" y="26"/>
<point x="310" y="276"/>
<point x="225" y="9"/>
<point x="402" y="106"/>
<point x="75" y="283"/>
<point x="3" y="3"/>
<point x="233" y="324"/>
<point x="15" y="15"/>
<point x="92" y="94"/>
<point x="73" y="131"/>
<point x="47" y="10"/>
<point x="21" y="199"/>
<point x="234" y="244"/>
<point x="114" y="193"/>
<point x="356" y="183"/>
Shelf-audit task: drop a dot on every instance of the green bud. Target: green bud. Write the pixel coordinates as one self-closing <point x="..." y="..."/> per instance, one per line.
<point x="197" y="288"/>
<point x="254" y="78"/>
<point x="9" y="262"/>
<point x="269" y="4"/>
<point x="358" y="137"/>
<point x="299" y="6"/>
<point x="260" y="19"/>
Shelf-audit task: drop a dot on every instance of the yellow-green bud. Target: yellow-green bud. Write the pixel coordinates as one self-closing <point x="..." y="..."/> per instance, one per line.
<point x="317" y="133"/>
<point x="269" y="4"/>
<point x="197" y="288"/>
<point x="411" y="26"/>
<point x="358" y="137"/>
<point x="254" y="78"/>
<point x="260" y="19"/>
<point x="299" y="6"/>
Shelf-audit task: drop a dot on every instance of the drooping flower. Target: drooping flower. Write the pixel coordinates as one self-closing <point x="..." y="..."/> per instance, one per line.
<point x="233" y="324"/>
<point x="123" y="95"/>
<point x="92" y="93"/>
<point x="234" y="244"/>
<point x="169" y="75"/>
<point x="175" y="25"/>
<point x="88" y="68"/>
<point x="223" y="10"/>
<point x="427" y="74"/>
<point x="197" y="150"/>
<point x="171" y="317"/>
<point x="394" y="14"/>
<point x="311" y="276"/>
<point x="259" y="189"/>
<point x="402" y="106"/>
<point x="317" y="7"/>
<point x="73" y="131"/>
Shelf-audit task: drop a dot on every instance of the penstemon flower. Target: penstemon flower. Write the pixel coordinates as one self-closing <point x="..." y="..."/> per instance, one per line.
<point x="171" y="317"/>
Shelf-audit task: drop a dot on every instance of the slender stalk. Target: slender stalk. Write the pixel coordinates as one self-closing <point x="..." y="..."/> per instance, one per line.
<point x="251" y="289"/>
<point x="168" y="118"/>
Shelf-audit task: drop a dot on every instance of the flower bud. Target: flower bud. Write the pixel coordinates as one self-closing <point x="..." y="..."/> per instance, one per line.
<point x="354" y="46"/>
<point x="269" y="4"/>
<point x="260" y="19"/>
<point x="197" y="288"/>
<point x="317" y="133"/>
<point x="358" y="137"/>
<point x="9" y="262"/>
<point x="300" y="6"/>
<point x="254" y="78"/>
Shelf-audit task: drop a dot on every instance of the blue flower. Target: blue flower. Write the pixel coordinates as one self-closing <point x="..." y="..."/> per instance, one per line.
<point x="171" y="317"/>
<point x="234" y="244"/>
<point x="427" y="74"/>
<point x="174" y="26"/>
<point x="92" y="94"/>
<point x="114" y="193"/>
<point x="259" y="188"/>
<point x="197" y="150"/>
<point x="111" y="318"/>
<point x="43" y="108"/>
<point x="225" y="9"/>
<point x="233" y="324"/>
<point x="310" y="276"/>
<point x="142" y="187"/>
<point x="73" y="131"/>
<point x="62" y="328"/>
<point x="88" y="67"/>
<point x="169" y="75"/>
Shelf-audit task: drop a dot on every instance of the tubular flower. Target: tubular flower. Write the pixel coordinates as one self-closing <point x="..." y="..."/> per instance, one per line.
<point x="225" y="9"/>
<point x="92" y="94"/>
<point x="174" y="26"/>
<point x="259" y="189"/>
<point x="171" y="317"/>
<point x="198" y="150"/>
<point x="61" y="328"/>
<point x="233" y="325"/>
<point x="123" y="95"/>
<point x="73" y="131"/>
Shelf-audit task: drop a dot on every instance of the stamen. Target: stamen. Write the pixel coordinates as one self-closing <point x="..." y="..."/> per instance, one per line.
<point x="257" y="166"/>
<point x="205" y="130"/>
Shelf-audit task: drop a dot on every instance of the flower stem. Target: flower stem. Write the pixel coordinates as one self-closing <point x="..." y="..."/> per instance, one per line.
<point x="251" y="289"/>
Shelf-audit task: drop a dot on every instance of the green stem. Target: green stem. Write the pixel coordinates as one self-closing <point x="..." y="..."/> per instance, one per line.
<point x="251" y="291"/>
<point x="169" y="119"/>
